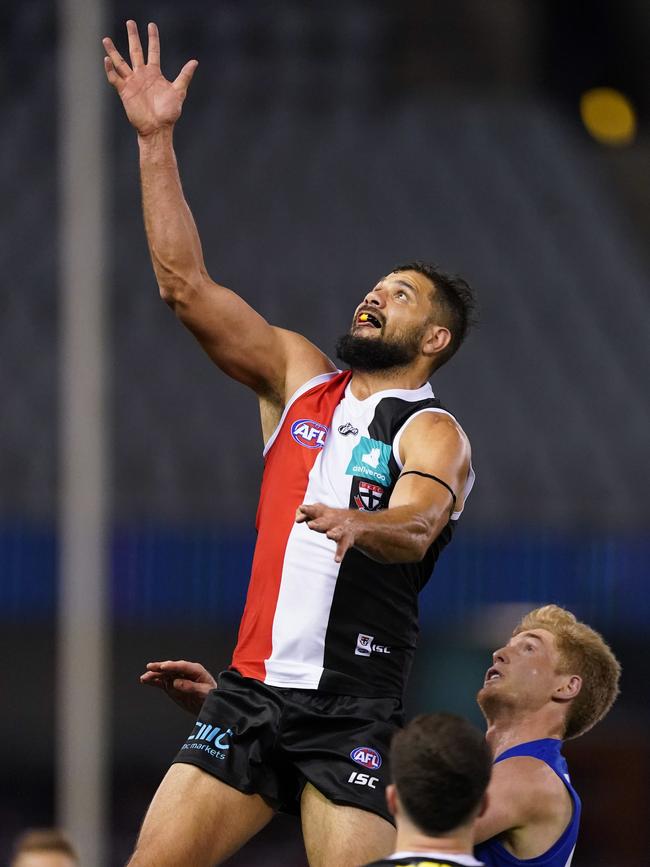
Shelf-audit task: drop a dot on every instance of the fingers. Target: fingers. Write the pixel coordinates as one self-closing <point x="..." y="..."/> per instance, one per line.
<point x="307" y="512"/>
<point x="135" y="46"/>
<point x="168" y="682"/>
<point x="119" y="64"/>
<point x="190" y="671"/>
<point x="153" y="666"/>
<point x="112" y="76"/>
<point x="317" y="516"/>
<point x="182" y="80"/>
<point x="150" y="678"/>
<point x="343" y="542"/>
<point x="341" y="549"/>
<point x="153" y="53"/>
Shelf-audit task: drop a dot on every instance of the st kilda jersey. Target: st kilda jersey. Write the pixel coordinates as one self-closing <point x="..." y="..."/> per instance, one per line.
<point x="309" y="622"/>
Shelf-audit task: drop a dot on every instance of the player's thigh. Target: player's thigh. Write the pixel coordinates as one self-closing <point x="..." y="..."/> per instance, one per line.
<point x="342" y="835"/>
<point x="195" y="820"/>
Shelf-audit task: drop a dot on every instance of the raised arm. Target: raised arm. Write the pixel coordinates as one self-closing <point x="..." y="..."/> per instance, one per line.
<point x="272" y="361"/>
<point x="434" y="449"/>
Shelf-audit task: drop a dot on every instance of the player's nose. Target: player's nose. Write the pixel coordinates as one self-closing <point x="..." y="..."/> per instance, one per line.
<point x="376" y="296"/>
<point x="500" y="655"/>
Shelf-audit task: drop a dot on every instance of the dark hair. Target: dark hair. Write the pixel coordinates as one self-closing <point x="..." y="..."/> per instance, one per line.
<point x="454" y="299"/>
<point x="44" y="840"/>
<point x="441" y="766"/>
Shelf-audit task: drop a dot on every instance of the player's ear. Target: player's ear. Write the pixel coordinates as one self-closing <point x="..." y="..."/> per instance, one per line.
<point x="569" y="688"/>
<point x="391" y="799"/>
<point x="436" y="339"/>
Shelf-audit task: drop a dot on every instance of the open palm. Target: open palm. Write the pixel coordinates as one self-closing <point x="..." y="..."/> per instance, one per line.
<point x="150" y="101"/>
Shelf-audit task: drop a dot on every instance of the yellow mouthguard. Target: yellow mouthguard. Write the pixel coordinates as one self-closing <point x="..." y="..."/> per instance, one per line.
<point x="364" y="317"/>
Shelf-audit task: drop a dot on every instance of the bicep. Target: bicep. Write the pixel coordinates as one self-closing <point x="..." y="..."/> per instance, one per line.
<point x="514" y="797"/>
<point x="436" y="460"/>
<point x="500" y="815"/>
<point x="245" y="346"/>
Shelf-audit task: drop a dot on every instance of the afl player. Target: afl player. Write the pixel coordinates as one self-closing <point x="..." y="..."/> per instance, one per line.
<point x="365" y="477"/>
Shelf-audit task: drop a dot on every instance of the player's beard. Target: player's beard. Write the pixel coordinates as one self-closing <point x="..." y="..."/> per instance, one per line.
<point x="370" y="354"/>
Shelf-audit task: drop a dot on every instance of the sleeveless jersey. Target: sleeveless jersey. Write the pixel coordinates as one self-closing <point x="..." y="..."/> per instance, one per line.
<point x="310" y="623"/>
<point x="561" y="852"/>
<point x="426" y="859"/>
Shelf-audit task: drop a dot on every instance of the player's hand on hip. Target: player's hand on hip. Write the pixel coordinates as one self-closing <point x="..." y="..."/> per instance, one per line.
<point x="186" y="683"/>
<point x="151" y="102"/>
<point x="336" y="524"/>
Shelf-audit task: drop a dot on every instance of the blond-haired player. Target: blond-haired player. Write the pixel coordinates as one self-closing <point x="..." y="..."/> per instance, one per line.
<point x="553" y="680"/>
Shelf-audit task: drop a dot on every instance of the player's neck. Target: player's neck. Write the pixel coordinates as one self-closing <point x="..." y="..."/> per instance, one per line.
<point x="511" y="728"/>
<point x="365" y="383"/>
<point x="409" y="839"/>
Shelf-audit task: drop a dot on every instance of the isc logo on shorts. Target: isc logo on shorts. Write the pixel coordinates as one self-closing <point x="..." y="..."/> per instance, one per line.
<point x="363" y="780"/>
<point x="367" y="757"/>
<point x="308" y="433"/>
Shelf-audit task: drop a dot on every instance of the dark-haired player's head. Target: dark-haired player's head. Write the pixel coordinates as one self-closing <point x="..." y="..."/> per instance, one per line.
<point x="44" y="847"/>
<point x="557" y="671"/>
<point x="440" y="766"/>
<point x="416" y="314"/>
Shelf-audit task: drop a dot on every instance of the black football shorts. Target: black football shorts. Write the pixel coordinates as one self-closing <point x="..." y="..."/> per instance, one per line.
<point x="271" y="741"/>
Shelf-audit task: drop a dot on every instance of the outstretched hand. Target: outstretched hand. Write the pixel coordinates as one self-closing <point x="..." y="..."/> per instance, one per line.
<point x="337" y="524"/>
<point x="150" y="100"/>
<point x="186" y="683"/>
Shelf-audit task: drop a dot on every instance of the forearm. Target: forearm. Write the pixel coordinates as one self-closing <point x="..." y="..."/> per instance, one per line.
<point x="172" y="235"/>
<point x="398" y="535"/>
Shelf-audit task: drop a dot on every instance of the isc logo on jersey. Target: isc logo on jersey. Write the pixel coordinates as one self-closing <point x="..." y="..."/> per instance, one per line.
<point x="366" y="757"/>
<point x="308" y="433"/>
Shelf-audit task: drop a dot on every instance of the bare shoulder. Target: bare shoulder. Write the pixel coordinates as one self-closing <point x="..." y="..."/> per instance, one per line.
<point x="532" y="785"/>
<point x="434" y="424"/>
<point x="435" y="432"/>
<point x="304" y="361"/>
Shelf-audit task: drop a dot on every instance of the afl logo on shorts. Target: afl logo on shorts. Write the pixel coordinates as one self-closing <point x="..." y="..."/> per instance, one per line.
<point x="308" y="433"/>
<point x="366" y="757"/>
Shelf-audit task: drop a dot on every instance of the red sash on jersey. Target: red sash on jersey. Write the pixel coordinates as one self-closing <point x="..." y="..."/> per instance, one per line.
<point x="286" y="472"/>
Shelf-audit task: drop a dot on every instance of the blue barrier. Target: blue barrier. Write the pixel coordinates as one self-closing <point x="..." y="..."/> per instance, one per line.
<point x="171" y="573"/>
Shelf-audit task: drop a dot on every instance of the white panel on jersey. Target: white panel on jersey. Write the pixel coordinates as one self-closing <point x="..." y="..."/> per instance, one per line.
<point x="309" y="572"/>
<point x="309" y="576"/>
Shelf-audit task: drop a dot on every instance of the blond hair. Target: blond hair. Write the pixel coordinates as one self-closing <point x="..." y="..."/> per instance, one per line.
<point x="584" y="652"/>
<point x="44" y="840"/>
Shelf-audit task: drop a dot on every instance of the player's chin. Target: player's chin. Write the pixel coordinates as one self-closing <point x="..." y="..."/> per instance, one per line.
<point x="486" y="695"/>
<point x="365" y="331"/>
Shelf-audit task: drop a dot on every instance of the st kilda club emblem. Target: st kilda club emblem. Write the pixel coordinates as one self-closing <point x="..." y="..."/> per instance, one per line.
<point x="368" y="497"/>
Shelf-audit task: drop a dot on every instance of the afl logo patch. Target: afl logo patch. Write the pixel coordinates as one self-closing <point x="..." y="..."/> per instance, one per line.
<point x="366" y="757"/>
<point x="308" y="433"/>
